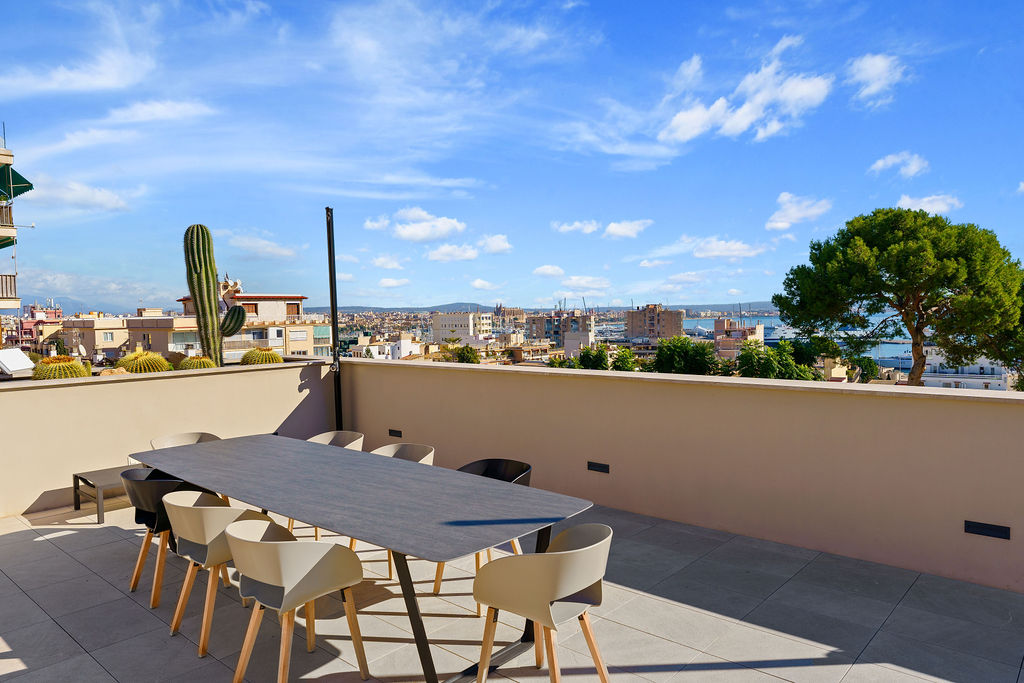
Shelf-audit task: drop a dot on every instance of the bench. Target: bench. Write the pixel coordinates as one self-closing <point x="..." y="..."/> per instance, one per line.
<point x="103" y="484"/>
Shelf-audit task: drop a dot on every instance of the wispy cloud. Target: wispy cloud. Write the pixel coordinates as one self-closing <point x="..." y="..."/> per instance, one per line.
<point x="548" y="271"/>
<point x="586" y="227"/>
<point x="708" y="247"/>
<point x="1020" y="188"/>
<point x="390" y="283"/>
<point x="653" y="263"/>
<point x="936" y="203"/>
<point x="378" y="223"/>
<point x="260" y="247"/>
<point x="413" y="224"/>
<point x="453" y="252"/>
<point x="909" y="164"/>
<point x="630" y="229"/>
<point x="387" y="262"/>
<point x="111" y="69"/>
<point x="124" y="293"/>
<point x="875" y="76"/>
<point x="495" y="244"/>
<point x="483" y="284"/>
<point x="79" y="139"/>
<point x="159" y="110"/>
<point x="793" y="209"/>
<point x="586" y="282"/>
<point x="76" y="195"/>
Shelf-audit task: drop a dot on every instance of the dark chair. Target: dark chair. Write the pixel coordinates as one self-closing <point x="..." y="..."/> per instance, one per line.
<point x="512" y="471"/>
<point x="146" y="488"/>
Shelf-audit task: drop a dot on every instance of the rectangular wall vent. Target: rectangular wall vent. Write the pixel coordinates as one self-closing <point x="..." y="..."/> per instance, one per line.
<point x="599" y="467"/>
<point x="395" y="432"/>
<point x="982" y="529"/>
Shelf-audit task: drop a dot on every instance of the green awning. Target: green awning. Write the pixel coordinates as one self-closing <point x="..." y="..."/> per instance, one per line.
<point x="12" y="183"/>
<point x="7" y="242"/>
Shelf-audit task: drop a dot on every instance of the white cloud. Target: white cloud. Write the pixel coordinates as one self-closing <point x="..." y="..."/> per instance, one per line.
<point x="1020" y="188"/>
<point x="80" y="139"/>
<point x="784" y="237"/>
<point x="690" y="277"/>
<point x="586" y="282"/>
<point x="389" y="282"/>
<point x="793" y="209"/>
<point x="453" y="252"/>
<point x="875" y="76"/>
<point x="98" y="290"/>
<point x="482" y="284"/>
<point x="548" y="271"/>
<point x="387" y="262"/>
<point x="734" y="292"/>
<point x="712" y="247"/>
<point x="158" y="110"/>
<point x="76" y="195"/>
<point x="626" y="228"/>
<point x="259" y="247"/>
<point x="378" y="223"/>
<point x="910" y="164"/>
<point x="653" y="263"/>
<point x="346" y="277"/>
<point x="694" y="121"/>
<point x="111" y="69"/>
<point x="416" y="225"/>
<point x="936" y="203"/>
<point x="495" y="244"/>
<point x="586" y="227"/>
<point x="349" y="258"/>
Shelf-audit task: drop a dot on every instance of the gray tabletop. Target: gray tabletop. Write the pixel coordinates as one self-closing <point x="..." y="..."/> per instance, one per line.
<point x="428" y="512"/>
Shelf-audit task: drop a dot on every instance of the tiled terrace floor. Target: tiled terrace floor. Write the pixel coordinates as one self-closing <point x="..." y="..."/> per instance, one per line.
<point x="682" y="604"/>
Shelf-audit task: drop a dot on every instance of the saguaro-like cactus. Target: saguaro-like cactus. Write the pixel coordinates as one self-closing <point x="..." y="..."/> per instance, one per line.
<point x="201" y="273"/>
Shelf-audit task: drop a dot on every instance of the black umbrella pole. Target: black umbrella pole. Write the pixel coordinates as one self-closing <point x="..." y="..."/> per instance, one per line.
<point x="335" y="342"/>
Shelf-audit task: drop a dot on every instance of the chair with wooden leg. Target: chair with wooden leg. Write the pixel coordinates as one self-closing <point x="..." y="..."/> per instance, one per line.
<point x="549" y="588"/>
<point x="284" y="574"/>
<point x="146" y="488"/>
<point x="198" y="521"/>
<point x="413" y="452"/>
<point x="341" y="439"/>
<point x="182" y="439"/>
<point x="512" y="471"/>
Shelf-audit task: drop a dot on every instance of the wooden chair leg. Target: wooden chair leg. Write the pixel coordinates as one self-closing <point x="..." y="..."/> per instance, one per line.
<point x="249" y="642"/>
<point x="476" y="557"/>
<point x="291" y="524"/>
<point x="208" y="607"/>
<point x="490" y="626"/>
<point x="310" y="626"/>
<point x="516" y="548"/>
<point x="139" y="563"/>
<point x="186" y="590"/>
<point x="316" y="533"/>
<point x="225" y="499"/>
<point x="391" y="568"/>
<point x="225" y="579"/>
<point x="163" y="540"/>
<point x="284" y="660"/>
<point x="588" y="633"/>
<point x="438" y="577"/>
<point x="351" y="543"/>
<point x="551" y="645"/>
<point x="353" y="629"/>
<point x="538" y="644"/>
<point x="490" y="558"/>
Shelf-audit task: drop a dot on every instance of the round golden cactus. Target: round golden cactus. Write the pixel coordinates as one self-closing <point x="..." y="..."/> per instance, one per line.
<point x="261" y="355"/>
<point x="144" y="361"/>
<point x="59" y="367"/>
<point x="196" y="363"/>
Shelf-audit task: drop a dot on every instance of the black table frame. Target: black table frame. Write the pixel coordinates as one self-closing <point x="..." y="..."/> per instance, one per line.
<point x="198" y="463"/>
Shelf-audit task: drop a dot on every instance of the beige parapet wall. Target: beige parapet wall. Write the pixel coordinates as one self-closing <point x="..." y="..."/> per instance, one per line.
<point x="50" y="429"/>
<point x="887" y="474"/>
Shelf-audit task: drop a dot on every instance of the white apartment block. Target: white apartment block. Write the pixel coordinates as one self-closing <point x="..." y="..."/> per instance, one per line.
<point x="465" y="326"/>
<point x="983" y="374"/>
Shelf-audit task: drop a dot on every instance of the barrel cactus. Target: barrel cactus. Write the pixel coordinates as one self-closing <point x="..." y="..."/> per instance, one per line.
<point x="261" y="356"/>
<point x="196" y="363"/>
<point x="59" y="367"/>
<point x="201" y="273"/>
<point x="144" y="361"/>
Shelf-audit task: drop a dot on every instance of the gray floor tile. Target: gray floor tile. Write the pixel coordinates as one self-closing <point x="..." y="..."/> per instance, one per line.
<point x="75" y="538"/>
<point x="704" y="596"/>
<point x="28" y="550"/>
<point x="834" y="603"/>
<point x="682" y="625"/>
<point x="75" y="594"/>
<point x="920" y="659"/>
<point x="79" y="668"/>
<point x="988" y="606"/>
<point x="1004" y="645"/>
<point x="680" y="538"/>
<point x="15" y="535"/>
<point x="780" y="656"/>
<point x="43" y="572"/>
<point x="18" y="610"/>
<point x="34" y="648"/>
<point x="863" y="672"/>
<point x="733" y="577"/>
<point x="763" y="556"/>
<point x="872" y="580"/>
<point x="705" y="667"/>
<point x="576" y="667"/>
<point x="102" y="625"/>
<point x="213" y="671"/>
<point x="636" y="652"/>
<point x="639" y="566"/>
<point x="624" y="524"/>
<point x="818" y="629"/>
<point x="151" y="656"/>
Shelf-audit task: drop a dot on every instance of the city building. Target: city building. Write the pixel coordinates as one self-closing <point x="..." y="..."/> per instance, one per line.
<point x="465" y="326"/>
<point x="984" y="374"/>
<point x="654" y="321"/>
<point x="99" y="337"/>
<point x="508" y="318"/>
<point x="36" y="328"/>
<point x="12" y="184"/>
<point x="730" y="335"/>
<point x="571" y="330"/>
<point x="258" y="307"/>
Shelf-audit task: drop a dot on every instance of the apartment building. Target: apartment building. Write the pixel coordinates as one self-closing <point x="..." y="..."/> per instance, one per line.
<point x="258" y="307"/>
<point x="654" y="321"/>
<point x="100" y="337"/>
<point x="36" y="328"/>
<point x="506" y="317"/>
<point x="465" y="326"/>
<point x="984" y="374"/>
<point x="571" y="330"/>
<point x="180" y="335"/>
<point x="730" y="336"/>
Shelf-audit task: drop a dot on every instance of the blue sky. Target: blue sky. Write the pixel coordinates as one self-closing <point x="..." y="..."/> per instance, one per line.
<point x="516" y="151"/>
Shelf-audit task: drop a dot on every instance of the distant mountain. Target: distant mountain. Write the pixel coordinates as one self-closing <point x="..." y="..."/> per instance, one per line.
<point x="442" y="308"/>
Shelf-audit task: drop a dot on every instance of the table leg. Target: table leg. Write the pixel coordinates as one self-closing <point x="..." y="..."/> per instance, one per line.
<point x="524" y="644"/>
<point x="415" y="618"/>
<point x="99" y="505"/>
<point x="78" y="496"/>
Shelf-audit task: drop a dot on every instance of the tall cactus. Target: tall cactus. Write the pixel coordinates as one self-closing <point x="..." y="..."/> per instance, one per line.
<point x="201" y="273"/>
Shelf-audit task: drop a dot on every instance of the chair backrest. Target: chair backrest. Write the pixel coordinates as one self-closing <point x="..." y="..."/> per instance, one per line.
<point x="414" y="452"/>
<point x="502" y="469"/>
<point x="146" y="488"/>
<point x="198" y="520"/>
<point x="342" y="439"/>
<point x="183" y="439"/>
<point x="574" y="565"/>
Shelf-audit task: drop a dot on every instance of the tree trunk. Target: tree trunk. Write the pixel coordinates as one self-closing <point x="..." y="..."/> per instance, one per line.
<point x="917" y="351"/>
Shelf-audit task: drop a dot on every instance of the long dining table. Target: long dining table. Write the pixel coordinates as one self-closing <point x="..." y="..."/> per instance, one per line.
<point x="432" y="513"/>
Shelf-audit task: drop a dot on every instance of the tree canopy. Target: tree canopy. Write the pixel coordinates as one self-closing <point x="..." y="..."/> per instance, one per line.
<point x="896" y="272"/>
<point x="461" y="354"/>
<point x="682" y="355"/>
<point x="595" y="358"/>
<point x="624" y="361"/>
<point x="757" y="360"/>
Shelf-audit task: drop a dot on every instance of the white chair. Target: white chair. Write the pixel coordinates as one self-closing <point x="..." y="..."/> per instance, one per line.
<point x="413" y="452"/>
<point x="284" y="574"/>
<point x="182" y="439"/>
<point x="550" y="588"/>
<point x="341" y="439"/>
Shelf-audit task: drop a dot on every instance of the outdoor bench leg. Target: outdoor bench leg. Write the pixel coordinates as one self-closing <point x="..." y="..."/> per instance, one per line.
<point x="99" y="505"/>
<point x="77" y="494"/>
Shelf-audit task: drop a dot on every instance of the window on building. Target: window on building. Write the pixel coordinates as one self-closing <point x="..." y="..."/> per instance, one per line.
<point x="183" y="338"/>
<point x="292" y="309"/>
<point x="108" y="336"/>
<point x="250" y="309"/>
<point x="300" y="353"/>
<point x="297" y="335"/>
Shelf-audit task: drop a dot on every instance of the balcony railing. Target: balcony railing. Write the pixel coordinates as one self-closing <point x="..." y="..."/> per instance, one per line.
<point x="6" y="221"/>
<point x="8" y="287"/>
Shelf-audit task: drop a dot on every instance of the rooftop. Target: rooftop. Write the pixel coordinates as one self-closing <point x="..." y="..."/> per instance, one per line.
<point x="681" y="603"/>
